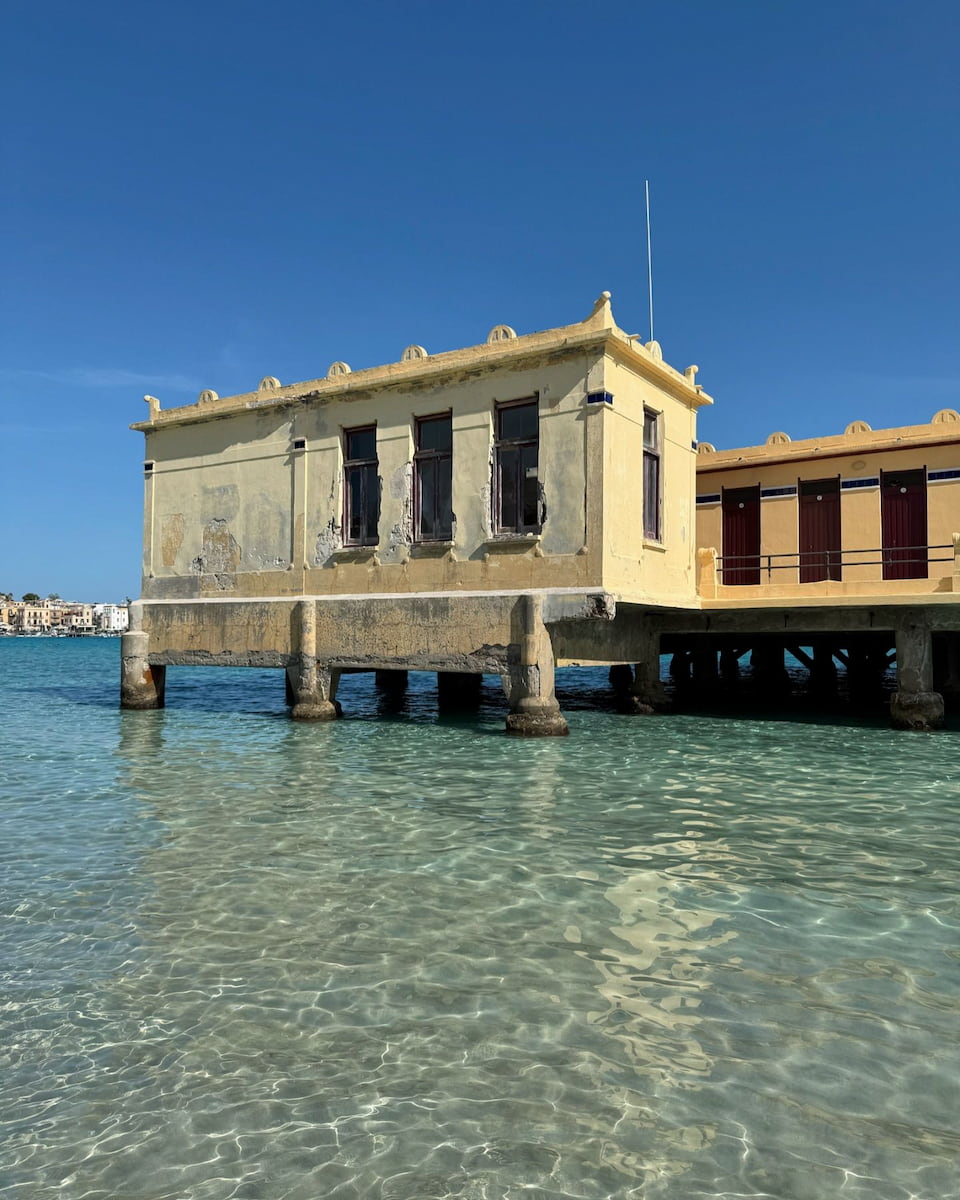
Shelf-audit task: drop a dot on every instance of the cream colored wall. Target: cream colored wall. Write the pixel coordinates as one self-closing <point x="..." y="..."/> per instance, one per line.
<point x="639" y="570"/>
<point x="860" y="517"/>
<point x="232" y="508"/>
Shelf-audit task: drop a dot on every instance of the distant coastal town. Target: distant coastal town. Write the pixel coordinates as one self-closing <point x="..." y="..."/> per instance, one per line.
<point x="33" y="616"/>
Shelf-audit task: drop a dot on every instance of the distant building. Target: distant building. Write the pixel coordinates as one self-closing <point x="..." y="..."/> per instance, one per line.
<point x="110" y="618"/>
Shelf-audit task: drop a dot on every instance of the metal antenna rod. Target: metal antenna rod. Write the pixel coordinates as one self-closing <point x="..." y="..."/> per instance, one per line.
<point x="646" y="187"/>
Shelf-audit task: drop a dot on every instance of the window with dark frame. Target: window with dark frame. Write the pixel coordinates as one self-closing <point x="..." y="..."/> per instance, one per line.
<point x="516" y="482"/>
<point x="652" y="520"/>
<point x="361" y="487"/>
<point x="433" y="479"/>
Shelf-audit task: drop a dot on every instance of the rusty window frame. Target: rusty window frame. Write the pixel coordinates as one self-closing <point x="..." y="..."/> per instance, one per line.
<point x="360" y="477"/>
<point x="517" y="472"/>
<point x="440" y="515"/>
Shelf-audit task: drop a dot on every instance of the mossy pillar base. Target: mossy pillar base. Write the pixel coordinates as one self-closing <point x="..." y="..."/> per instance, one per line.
<point x="915" y="705"/>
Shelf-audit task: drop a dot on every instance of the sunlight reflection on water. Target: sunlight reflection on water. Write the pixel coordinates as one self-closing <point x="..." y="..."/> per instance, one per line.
<point x="407" y="957"/>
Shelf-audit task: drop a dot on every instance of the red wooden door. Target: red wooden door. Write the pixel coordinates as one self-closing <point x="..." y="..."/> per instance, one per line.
<point x="903" y="517"/>
<point x="819" y="529"/>
<point x="741" y="535"/>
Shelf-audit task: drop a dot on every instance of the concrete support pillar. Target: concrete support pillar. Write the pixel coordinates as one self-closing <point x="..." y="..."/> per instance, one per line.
<point x="729" y="666"/>
<point x="458" y="691"/>
<point x="915" y="705"/>
<point x="768" y="670"/>
<point x="680" y="669"/>
<point x="864" y="671"/>
<point x="823" y="670"/>
<point x="621" y="678"/>
<point x="393" y="682"/>
<point x="141" y="685"/>
<point x="706" y="675"/>
<point x="313" y="687"/>
<point x="647" y="688"/>
<point x="534" y="711"/>
<point x="951" y="664"/>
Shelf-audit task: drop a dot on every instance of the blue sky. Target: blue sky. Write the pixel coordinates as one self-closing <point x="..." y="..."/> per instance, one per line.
<point x="199" y="194"/>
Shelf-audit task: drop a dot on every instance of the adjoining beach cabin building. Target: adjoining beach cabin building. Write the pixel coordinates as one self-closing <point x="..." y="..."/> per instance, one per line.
<point x="531" y="501"/>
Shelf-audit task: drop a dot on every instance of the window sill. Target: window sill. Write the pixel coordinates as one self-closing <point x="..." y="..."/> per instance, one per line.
<point x="506" y="540"/>
<point x="355" y="554"/>
<point x="513" y="543"/>
<point x="650" y="544"/>
<point x="431" y="549"/>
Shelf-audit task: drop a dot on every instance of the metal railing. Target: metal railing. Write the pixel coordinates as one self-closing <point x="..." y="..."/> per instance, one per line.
<point x="828" y="561"/>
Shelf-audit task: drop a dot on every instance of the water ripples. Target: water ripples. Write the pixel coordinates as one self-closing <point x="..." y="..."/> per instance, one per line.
<point x="402" y="957"/>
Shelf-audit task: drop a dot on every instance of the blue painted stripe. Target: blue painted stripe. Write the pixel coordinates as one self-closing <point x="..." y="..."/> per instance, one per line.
<point x="770" y="493"/>
<point x="936" y="476"/>
<point x="874" y="481"/>
<point x="711" y="499"/>
<point x="600" y="398"/>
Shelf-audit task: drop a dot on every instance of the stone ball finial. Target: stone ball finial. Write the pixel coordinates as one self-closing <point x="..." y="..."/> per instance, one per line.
<point x="655" y="352"/>
<point x="208" y="395"/>
<point x="269" y="383"/>
<point x="946" y="416"/>
<point x="706" y="448"/>
<point x="413" y="354"/>
<point x="500" y="333"/>
<point x="778" y="439"/>
<point x="154" y="405"/>
<point x="690" y="373"/>
<point x="858" y="427"/>
<point x="338" y="368"/>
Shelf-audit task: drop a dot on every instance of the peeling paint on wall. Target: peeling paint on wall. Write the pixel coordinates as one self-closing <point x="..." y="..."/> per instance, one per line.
<point x="172" y="527"/>
<point x="401" y="488"/>
<point x="328" y="539"/>
<point x="221" y="552"/>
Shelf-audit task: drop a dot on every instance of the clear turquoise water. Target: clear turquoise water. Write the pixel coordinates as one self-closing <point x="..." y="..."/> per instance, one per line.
<point x="665" y="958"/>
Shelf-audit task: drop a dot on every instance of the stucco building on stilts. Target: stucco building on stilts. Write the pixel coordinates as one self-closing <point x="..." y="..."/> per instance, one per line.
<point x="521" y="504"/>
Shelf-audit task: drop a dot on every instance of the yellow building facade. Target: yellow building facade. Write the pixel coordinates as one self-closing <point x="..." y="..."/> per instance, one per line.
<point x="437" y="512"/>
<point x="526" y="502"/>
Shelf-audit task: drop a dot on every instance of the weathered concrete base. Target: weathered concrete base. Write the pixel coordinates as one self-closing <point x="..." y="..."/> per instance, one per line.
<point x="529" y="723"/>
<point x="916" y="710"/>
<point x="320" y="710"/>
<point x="142" y="686"/>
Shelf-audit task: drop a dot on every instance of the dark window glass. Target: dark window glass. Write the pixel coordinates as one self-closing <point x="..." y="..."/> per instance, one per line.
<point x="433" y="479"/>
<point x="652" y="523"/>
<point x="517" y="487"/>
<point x="361" y="487"/>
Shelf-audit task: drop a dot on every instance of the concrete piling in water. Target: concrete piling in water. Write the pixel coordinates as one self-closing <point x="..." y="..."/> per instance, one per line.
<point x="915" y="705"/>
<point x="142" y="686"/>
<point x="311" y="685"/>
<point x="534" y="711"/>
